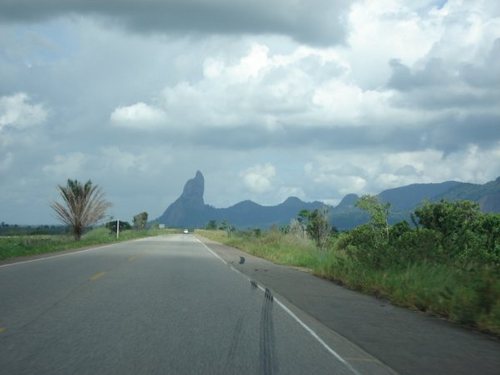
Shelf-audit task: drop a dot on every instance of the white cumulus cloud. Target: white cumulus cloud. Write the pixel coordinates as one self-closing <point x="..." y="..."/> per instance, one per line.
<point x="16" y="111"/>
<point x="258" y="179"/>
<point x="139" y="115"/>
<point x="66" y="166"/>
<point x="337" y="173"/>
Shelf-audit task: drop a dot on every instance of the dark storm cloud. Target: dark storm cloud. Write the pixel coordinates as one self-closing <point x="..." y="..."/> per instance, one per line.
<point x="320" y="22"/>
<point x="456" y="134"/>
<point x="464" y="96"/>
<point x="443" y="98"/>
<point x="486" y="74"/>
<point x="403" y="78"/>
<point x="450" y="134"/>
<point x="446" y="84"/>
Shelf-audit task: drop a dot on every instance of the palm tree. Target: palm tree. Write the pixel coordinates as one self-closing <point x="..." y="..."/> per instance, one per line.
<point x="83" y="205"/>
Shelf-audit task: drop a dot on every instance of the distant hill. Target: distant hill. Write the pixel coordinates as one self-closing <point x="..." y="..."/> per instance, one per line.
<point x="487" y="195"/>
<point x="406" y="199"/>
<point x="190" y="210"/>
<point x="345" y="215"/>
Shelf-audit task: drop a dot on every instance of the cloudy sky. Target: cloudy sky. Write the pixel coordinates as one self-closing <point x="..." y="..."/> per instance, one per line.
<point x="311" y="98"/>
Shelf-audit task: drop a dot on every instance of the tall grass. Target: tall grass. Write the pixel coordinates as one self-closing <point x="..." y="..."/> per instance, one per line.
<point x="466" y="296"/>
<point x="470" y="297"/>
<point x="273" y="245"/>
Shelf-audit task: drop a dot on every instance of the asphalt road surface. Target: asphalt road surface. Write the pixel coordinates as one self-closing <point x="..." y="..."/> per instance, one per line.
<point x="409" y="342"/>
<point x="163" y="305"/>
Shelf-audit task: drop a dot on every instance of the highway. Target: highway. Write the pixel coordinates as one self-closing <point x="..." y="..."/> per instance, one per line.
<point x="162" y="305"/>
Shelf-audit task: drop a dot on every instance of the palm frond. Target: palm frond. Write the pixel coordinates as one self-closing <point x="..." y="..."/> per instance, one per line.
<point x="83" y="205"/>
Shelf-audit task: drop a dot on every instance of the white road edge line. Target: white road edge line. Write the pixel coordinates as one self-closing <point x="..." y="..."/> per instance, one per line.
<point x="56" y="256"/>
<point x="315" y="335"/>
<point x="212" y="252"/>
<point x="289" y="312"/>
<point x="97" y="247"/>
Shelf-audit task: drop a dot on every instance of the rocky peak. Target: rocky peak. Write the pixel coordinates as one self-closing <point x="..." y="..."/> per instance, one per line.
<point x="348" y="201"/>
<point x="189" y="209"/>
<point x="193" y="190"/>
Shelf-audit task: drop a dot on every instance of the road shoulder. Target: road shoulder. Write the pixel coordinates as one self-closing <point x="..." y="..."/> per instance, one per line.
<point x="406" y="341"/>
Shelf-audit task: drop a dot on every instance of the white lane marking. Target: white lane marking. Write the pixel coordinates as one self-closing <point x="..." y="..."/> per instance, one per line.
<point x="98" y="247"/>
<point x="213" y="253"/>
<point x="315" y="335"/>
<point x="289" y="312"/>
<point x="54" y="256"/>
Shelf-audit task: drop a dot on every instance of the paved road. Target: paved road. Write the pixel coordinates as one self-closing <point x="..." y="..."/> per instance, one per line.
<point x="163" y="305"/>
<point x="411" y="343"/>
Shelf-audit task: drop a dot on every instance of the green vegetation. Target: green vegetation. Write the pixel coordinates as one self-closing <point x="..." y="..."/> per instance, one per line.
<point x="448" y="264"/>
<point x="83" y="205"/>
<point x="140" y="220"/>
<point x="315" y="224"/>
<point x="15" y="246"/>
<point x="123" y="225"/>
<point x="273" y="245"/>
<point x="211" y="225"/>
<point x="21" y="230"/>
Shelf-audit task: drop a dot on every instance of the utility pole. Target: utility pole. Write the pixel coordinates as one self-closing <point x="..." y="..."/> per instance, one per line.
<point x="117" y="228"/>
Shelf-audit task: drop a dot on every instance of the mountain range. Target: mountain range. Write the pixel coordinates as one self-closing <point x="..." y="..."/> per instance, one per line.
<point x="191" y="211"/>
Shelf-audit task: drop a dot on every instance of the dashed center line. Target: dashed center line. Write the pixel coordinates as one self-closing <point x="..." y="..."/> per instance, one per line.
<point x="97" y="276"/>
<point x="132" y="258"/>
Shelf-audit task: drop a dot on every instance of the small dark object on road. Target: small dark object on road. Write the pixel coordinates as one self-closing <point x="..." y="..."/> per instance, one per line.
<point x="269" y="295"/>
<point x="242" y="260"/>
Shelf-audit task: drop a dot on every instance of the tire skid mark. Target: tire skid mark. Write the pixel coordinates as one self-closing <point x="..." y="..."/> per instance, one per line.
<point x="255" y="285"/>
<point x="267" y="356"/>
<point x="233" y="347"/>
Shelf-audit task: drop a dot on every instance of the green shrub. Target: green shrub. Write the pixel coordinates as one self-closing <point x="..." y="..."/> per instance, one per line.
<point x="416" y="246"/>
<point x="467" y="234"/>
<point x="369" y="247"/>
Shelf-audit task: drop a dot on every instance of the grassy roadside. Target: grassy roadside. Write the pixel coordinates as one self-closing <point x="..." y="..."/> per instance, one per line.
<point x="272" y="246"/>
<point x="16" y="246"/>
<point x="469" y="297"/>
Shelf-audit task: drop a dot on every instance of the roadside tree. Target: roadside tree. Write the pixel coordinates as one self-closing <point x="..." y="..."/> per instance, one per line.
<point x="124" y="225"/>
<point x="316" y="225"/>
<point x="140" y="220"/>
<point x="83" y="205"/>
<point x="211" y="225"/>
<point x="378" y="211"/>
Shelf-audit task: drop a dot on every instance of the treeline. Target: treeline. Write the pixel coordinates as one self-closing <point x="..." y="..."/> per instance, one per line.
<point x="454" y="233"/>
<point x="21" y="230"/>
<point x="140" y="222"/>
